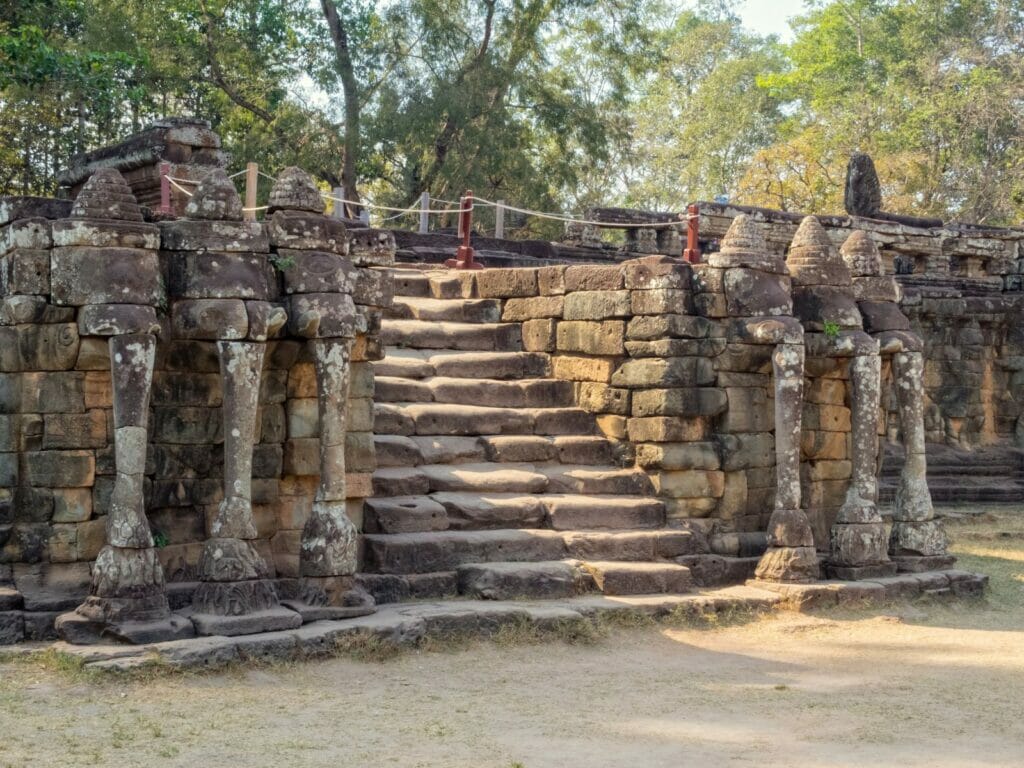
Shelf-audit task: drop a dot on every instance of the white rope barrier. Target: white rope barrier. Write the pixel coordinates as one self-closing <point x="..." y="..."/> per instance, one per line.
<point x="573" y="220"/>
<point x="477" y="201"/>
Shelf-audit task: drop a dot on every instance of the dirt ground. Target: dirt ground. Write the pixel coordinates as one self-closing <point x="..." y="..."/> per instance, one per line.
<point x="922" y="685"/>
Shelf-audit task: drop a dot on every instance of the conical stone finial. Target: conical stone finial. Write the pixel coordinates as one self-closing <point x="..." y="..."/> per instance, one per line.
<point x="294" y="190"/>
<point x="106" y="195"/>
<point x="744" y="245"/>
<point x="812" y="260"/>
<point x="744" y="236"/>
<point x="215" y="199"/>
<point x="861" y="255"/>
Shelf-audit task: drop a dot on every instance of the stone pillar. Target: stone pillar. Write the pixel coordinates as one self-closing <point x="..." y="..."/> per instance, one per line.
<point x="115" y="289"/>
<point x="918" y="541"/>
<point x="791" y="556"/>
<point x="320" y="281"/>
<point x="857" y="541"/>
<point x="236" y="594"/>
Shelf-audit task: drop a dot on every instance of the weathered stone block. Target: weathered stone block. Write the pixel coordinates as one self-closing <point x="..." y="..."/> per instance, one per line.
<point x="753" y="293"/>
<point x="105" y="234"/>
<point x="593" y="278"/>
<point x="52" y="347"/>
<point x="668" y="372"/>
<point x="506" y="283"/>
<point x="371" y="247"/>
<point x="656" y="327"/>
<point x="600" y="398"/>
<point x="210" y="319"/>
<point x="551" y="280"/>
<point x="750" y="410"/>
<point x="570" y="368"/>
<point x="322" y="315"/>
<point x="73" y="430"/>
<point x="661" y="301"/>
<point x="662" y="429"/>
<point x="675" y="456"/>
<point x="656" y="272"/>
<point x="25" y="271"/>
<point x="233" y="236"/>
<point x="61" y="392"/>
<point x="747" y="451"/>
<point x="317" y="272"/>
<point x="116" y="319"/>
<point x="539" y="335"/>
<point x="696" y="401"/>
<point x="81" y="276"/>
<point x="220" y="275"/>
<point x="590" y="337"/>
<point x="374" y="287"/>
<point x="883" y="316"/>
<point x="518" y="310"/>
<point x="824" y="445"/>
<point x="596" y="305"/>
<point x="60" y="469"/>
<point x="689" y="484"/>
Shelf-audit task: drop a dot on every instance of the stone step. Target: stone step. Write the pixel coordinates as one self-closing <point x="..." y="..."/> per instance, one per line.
<point x="453" y="310"/>
<point x="411" y="282"/>
<point x="624" y="578"/>
<point x="419" y="334"/>
<point x="598" y="480"/>
<point x="453" y="419"/>
<point x="444" y="551"/>
<point x="546" y="580"/>
<point x="476" y="478"/>
<point x="400" y="362"/>
<point x="490" y="365"/>
<point x="570" y="512"/>
<point x="404" y="553"/>
<point x="491" y="511"/>
<point x="525" y="393"/>
<point x="580" y="450"/>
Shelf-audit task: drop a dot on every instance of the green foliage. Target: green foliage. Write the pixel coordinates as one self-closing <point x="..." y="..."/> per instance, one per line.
<point x="549" y="104"/>
<point x="831" y="329"/>
<point x="281" y="263"/>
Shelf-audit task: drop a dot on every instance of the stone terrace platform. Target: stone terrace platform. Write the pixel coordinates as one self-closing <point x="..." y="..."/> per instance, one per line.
<point x="409" y="624"/>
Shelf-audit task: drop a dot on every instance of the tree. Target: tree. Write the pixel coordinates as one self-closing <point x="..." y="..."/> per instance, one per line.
<point x="933" y="89"/>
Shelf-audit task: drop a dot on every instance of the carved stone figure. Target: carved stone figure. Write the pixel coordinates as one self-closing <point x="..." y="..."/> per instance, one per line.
<point x="823" y="300"/>
<point x="917" y="540"/>
<point x="226" y="295"/>
<point x="116" y="289"/>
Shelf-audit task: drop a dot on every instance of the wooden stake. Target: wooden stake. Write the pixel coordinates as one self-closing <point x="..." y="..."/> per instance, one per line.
<point x="252" y="178"/>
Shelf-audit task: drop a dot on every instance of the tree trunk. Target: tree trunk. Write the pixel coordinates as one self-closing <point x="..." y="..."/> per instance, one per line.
<point x="350" y="90"/>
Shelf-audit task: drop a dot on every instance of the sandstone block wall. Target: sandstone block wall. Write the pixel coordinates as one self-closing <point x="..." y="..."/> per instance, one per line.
<point x="961" y="288"/>
<point x="56" y="423"/>
<point x="655" y="349"/>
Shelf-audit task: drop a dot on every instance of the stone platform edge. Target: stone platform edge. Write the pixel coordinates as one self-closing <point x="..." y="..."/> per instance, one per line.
<point x="407" y="624"/>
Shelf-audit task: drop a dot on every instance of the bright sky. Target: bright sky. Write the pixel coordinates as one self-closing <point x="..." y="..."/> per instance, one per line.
<point x="770" y="17"/>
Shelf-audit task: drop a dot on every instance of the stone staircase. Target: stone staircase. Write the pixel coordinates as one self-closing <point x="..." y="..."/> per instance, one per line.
<point x="988" y="474"/>
<point x="490" y="482"/>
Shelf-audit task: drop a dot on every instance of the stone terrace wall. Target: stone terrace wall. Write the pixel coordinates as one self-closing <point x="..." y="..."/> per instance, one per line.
<point x="56" y="422"/>
<point x="656" y="352"/>
<point x="962" y="290"/>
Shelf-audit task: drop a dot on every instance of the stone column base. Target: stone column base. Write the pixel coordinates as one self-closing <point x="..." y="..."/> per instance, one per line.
<point x="797" y="565"/>
<point x="918" y="538"/>
<point x="269" y="620"/>
<point x="75" y="628"/>
<point x="860" y="572"/>
<point x="326" y="597"/>
<point x="922" y="563"/>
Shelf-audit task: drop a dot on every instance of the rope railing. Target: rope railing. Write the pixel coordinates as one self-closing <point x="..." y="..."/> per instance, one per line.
<point x="424" y="210"/>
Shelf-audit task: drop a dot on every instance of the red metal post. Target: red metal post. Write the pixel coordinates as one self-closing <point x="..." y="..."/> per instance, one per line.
<point x="165" y="189"/>
<point x="464" y="256"/>
<point x="692" y="252"/>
